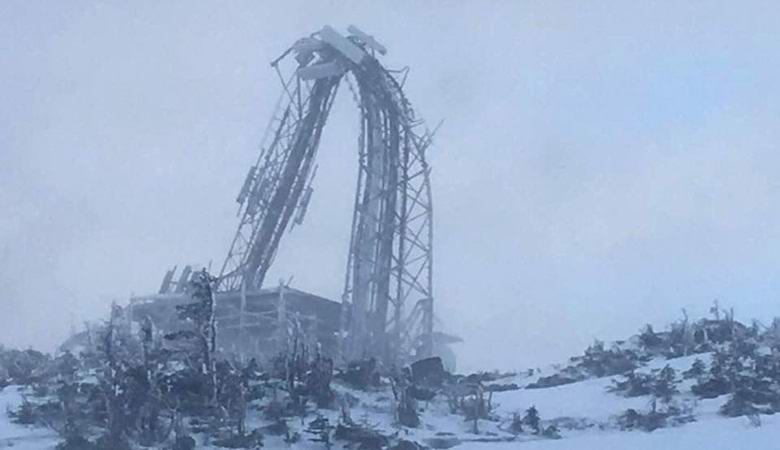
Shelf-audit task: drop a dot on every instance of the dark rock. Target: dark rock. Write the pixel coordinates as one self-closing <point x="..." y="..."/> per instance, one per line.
<point x="422" y="394"/>
<point x="278" y="428"/>
<point x="403" y="444"/>
<point x="365" y="438"/>
<point x="552" y="381"/>
<point x="712" y="388"/>
<point x="184" y="442"/>
<point x="360" y="374"/>
<point x="252" y="440"/>
<point x="442" y="442"/>
<point x="408" y="417"/>
<point x="498" y="387"/>
<point x="76" y="443"/>
<point x="428" y="371"/>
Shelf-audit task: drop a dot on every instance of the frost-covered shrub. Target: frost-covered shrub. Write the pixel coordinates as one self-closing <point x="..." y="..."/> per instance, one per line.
<point x="659" y="383"/>
<point x="25" y="414"/>
<point x="599" y="362"/>
<point x="557" y="379"/>
<point x="22" y="366"/>
<point x="651" y="420"/>
<point x="632" y="419"/>
<point x="711" y="388"/>
<point x="532" y="419"/>
<point x="76" y="443"/>
<point x="633" y="384"/>
<point x="738" y="405"/>
<point x="698" y="368"/>
<point x="748" y="371"/>
<point x="516" y="424"/>
<point x="663" y="386"/>
<point x="551" y="432"/>
<point x="253" y="440"/>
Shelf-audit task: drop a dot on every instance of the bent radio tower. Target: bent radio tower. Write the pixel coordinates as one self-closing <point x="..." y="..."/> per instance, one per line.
<point x="387" y="304"/>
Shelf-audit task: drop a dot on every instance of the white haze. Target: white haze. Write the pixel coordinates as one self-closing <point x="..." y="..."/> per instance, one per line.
<point x="601" y="164"/>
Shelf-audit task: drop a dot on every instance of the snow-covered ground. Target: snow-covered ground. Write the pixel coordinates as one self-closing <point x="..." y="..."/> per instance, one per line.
<point x="716" y="434"/>
<point x="585" y="413"/>
<point x="18" y="436"/>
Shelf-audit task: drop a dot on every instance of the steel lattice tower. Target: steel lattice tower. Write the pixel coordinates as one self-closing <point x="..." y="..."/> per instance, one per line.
<point x="388" y="293"/>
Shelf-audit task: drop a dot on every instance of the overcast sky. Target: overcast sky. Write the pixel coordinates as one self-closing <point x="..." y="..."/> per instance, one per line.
<point x="601" y="164"/>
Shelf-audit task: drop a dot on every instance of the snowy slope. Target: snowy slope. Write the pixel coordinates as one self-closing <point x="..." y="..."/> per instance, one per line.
<point x="585" y="413"/>
<point x="589" y="401"/>
<point x="586" y="399"/>
<point x="718" y="434"/>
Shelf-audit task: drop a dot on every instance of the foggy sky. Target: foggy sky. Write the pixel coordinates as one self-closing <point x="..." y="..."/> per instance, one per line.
<point x="601" y="164"/>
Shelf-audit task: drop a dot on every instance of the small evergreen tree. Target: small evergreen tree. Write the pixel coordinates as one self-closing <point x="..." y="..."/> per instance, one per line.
<point x="202" y="335"/>
<point x="532" y="419"/>
<point x="664" y="385"/>
<point x="697" y="370"/>
<point x="516" y="426"/>
<point x="114" y="352"/>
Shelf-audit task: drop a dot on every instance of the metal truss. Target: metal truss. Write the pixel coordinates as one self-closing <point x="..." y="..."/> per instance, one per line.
<point x="388" y="292"/>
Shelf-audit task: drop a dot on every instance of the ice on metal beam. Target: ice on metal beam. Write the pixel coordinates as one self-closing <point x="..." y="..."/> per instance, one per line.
<point x="303" y="205"/>
<point x="307" y="45"/>
<point x="250" y="178"/>
<point x="367" y="39"/>
<point x="183" y="279"/>
<point x="323" y="70"/>
<point x="166" y="283"/>
<point x="305" y="49"/>
<point x="342" y="44"/>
